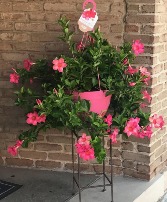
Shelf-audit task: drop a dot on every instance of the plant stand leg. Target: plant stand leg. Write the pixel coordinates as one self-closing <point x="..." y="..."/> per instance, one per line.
<point x="111" y="182"/>
<point x="79" y="187"/>
<point x="73" y="181"/>
<point x="104" y="171"/>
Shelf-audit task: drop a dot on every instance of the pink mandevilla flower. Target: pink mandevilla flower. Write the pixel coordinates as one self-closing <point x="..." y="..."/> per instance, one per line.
<point x="85" y="151"/>
<point x="84" y="139"/>
<point x="132" y="83"/>
<point x="88" y="153"/>
<point x="125" y="62"/>
<point x="156" y="121"/>
<point x="59" y="64"/>
<point x="146" y="96"/>
<point x="130" y="70"/>
<point x="132" y="127"/>
<point x="31" y="81"/>
<point x="108" y="119"/>
<point x="137" y="47"/>
<point x="143" y="105"/>
<point x="146" y="74"/>
<point x="114" y="135"/>
<point x="13" y="150"/>
<point x="42" y="118"/>
<point x="27" y="64"/>
<point x="33" y="118"/>
<point x="39" y="102"/>
<point x="14" y="78"/>
<point x="144" y="71"/>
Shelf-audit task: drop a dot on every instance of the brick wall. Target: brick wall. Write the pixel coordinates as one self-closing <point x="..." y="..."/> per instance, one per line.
<point x="29" y="29"/>
<point x="147" y="20"/>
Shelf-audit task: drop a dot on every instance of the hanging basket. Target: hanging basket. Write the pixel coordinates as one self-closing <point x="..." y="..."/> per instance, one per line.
<point x="99" y="102"/>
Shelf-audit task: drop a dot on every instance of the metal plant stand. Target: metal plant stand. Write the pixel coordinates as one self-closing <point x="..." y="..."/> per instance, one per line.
<point x="76" y="180"/>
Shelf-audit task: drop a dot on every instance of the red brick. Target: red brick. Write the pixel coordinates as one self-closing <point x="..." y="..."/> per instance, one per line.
<point x="19" y="162"/>
<point x="59" y="7"/>
<point x="4" y="46"/>
<point x="35" y="16"/>
<point x="5" y="7"/>
<point x="54" y="17"/>
<point x="133" y="8"/>
<point x="129" y="164"/>
<point x="27" y="6"/>
<point x="132" y="28"/>
<point x="60" y="157"/>
<point x="29" y="46"/>
<point x="127" y="146"/>
<point x="59" y="139"/>
<point x="133" y="173"/>
<point x="131" y="18"/>
<point x="48" y="164"/>
<point x="68" y="148"/>
<point x="33" y="27"/>
<point x="33" y="155"/>
<point x="15" y="37"/>
<point x="47" y="147"/>
<point x="44" y="37"/>
<point x="13" y="56"/>
<point x="143" y="168"/>
<point x="136" y="157"/>
<point x="6" y="26"/>
<point x="16" y="17"/>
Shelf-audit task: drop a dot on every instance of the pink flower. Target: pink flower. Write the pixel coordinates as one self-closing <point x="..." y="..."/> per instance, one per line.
<point x="89" y="14"/>
<point x="145" y="80"/>
<point x="84" y="139"/>
<point x="114" y="135"/>
<point x="146" y="96"/>
<point x="108" y="119"/>
<point x="42" y="118"/>
<point x="39" y="102"/>
<point x="88" y="154"/>
<point x="132" y="83"/>
<point x="156" y="121"/>
<point x="80" y="46"/>
<point x="84" y="149"/>
<point x="55" y="91"/>
<point x="19" y="142"/>
<point x="137" y="47"/>
<point x="59" y="64"/>
<point x="125" y="62"/>
<point x="144" y="72"/>
<point x="14" y="78"/>
<point x="31" y="81"/>
<point x="27" y="64"/>
<point x="132" y="127"/>
<point x="143" y="105"/>
<point x="14" y="149"/>
<point x="33" y="118"/>
<point x="130" y="70"/>
<point x="85" y="152"/>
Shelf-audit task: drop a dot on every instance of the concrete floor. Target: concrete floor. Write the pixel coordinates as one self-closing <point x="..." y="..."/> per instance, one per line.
<point x="51" y="186"/>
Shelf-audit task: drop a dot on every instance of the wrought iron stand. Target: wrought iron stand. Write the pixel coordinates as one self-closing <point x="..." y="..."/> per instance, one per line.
<point x="76" y="180"/>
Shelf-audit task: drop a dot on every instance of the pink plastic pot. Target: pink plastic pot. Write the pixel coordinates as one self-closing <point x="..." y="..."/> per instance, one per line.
<point x="99" y="102"/>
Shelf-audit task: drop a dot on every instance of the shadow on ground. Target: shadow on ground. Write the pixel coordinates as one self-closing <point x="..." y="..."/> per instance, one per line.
<point x="41" y="186"/>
